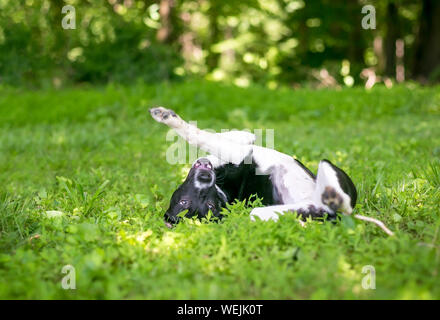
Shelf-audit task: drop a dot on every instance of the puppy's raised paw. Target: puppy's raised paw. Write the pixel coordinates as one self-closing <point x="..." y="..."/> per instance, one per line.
<point x="166" y="116"/>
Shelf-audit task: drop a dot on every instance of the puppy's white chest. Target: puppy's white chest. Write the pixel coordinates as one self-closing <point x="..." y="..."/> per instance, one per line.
<point x="293" y="183"/>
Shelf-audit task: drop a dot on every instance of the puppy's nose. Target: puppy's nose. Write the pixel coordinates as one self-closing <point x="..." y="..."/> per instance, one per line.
<point x="203" y="163"/>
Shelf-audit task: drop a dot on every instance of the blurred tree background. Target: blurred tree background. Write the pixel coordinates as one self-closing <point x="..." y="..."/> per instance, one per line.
<point x="271" y="42"/>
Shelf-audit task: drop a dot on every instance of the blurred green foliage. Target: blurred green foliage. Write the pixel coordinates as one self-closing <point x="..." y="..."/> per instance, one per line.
<point x="107" y="44"/>
<point x="265" y="41"/>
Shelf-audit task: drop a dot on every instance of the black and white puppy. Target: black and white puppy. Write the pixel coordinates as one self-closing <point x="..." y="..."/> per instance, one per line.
<point x="235" y="169"/>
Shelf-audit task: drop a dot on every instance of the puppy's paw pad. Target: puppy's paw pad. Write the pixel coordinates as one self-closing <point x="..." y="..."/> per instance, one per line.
<point x="331" y="199"/>
<point x="160" y="114"/>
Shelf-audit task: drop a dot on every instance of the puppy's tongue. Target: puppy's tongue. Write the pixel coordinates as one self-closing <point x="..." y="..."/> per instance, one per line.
<point x="169" y="225"/>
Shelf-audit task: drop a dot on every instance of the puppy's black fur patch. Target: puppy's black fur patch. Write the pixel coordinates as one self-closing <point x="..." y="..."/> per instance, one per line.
<point x="240" y="182"/>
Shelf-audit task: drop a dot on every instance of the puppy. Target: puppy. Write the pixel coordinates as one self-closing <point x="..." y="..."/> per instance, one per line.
<point x="235" y="169"/>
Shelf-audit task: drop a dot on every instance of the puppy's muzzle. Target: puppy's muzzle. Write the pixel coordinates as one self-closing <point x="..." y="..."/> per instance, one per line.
<point x="204" y="170"/>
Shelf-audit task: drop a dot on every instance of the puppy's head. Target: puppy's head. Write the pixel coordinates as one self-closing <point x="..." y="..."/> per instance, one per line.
<point x="198" y="194"/>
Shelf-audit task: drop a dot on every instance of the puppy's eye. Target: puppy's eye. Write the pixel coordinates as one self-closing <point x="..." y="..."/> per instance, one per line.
<point x="209" y="166"/>
<point x="210" y="206"/>
<point x="183" y="202"/>
<point x="197" y="164"/>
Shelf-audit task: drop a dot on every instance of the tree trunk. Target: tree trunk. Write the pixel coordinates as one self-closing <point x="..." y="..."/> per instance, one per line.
<point x="165" y="31"/>
<point x="356" y="44"/>
<point x="390" y="39"/>
<point x="427" y="52"/>
<point x="213" y="58"/>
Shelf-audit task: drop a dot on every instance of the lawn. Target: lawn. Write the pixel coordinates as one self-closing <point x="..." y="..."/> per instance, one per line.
<point x="85" y="182"/>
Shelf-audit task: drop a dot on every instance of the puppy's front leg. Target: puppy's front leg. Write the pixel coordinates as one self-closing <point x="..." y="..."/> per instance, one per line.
<point x="213" y="143"/>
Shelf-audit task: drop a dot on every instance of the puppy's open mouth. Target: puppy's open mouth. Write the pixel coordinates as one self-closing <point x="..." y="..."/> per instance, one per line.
<point x="204" y="175"/>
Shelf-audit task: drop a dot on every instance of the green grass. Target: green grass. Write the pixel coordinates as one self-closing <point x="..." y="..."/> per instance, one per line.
<point x="84" y="182"/>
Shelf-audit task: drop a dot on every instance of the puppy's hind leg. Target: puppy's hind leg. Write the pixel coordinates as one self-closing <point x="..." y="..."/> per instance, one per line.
<point x="216" y="144"/>
<point x="334" y="188"/>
